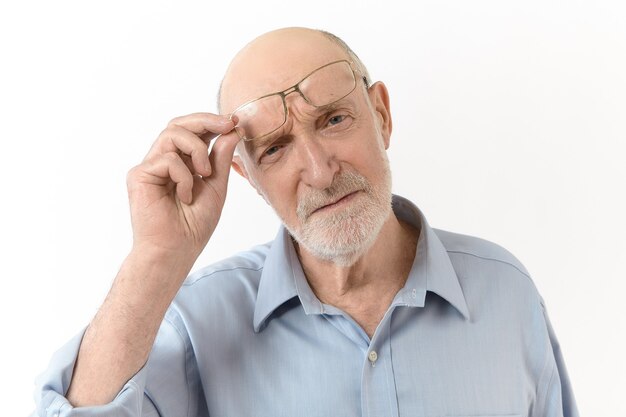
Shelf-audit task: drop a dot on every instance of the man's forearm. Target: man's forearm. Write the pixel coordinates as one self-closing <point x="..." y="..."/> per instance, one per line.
<point x="119" y="339"/>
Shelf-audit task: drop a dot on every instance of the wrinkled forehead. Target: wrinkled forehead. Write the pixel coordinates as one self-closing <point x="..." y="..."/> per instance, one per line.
<point x="273" y="65"/>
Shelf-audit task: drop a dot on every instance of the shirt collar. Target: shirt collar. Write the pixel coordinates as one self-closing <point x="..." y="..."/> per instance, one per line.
<point x="432" y="268"/>
<point x="283" y="279"/>
<point x="277" y="284"/>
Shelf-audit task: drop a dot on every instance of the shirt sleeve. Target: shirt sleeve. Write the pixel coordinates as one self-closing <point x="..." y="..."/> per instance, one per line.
<point x="167" y="385"/>
<point x="554" y="391"/>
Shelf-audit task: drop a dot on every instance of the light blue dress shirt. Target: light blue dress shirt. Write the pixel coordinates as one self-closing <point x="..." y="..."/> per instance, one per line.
<point x="468" y="335"/>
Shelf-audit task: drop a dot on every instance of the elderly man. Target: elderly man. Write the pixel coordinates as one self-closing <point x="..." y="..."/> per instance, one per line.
<point x="357" y="308"/>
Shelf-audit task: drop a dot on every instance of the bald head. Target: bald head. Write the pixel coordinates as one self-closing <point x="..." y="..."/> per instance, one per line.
<point x="277" y="60"/>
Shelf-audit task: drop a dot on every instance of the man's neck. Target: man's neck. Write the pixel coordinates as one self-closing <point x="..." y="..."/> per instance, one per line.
<point x="366" y="288"/>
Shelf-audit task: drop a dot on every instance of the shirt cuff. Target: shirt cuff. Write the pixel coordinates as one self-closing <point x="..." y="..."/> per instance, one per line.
<point x="52" y="385"/>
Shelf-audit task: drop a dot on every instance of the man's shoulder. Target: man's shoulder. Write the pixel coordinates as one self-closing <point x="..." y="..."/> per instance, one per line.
<point x="229" y="286"/>
<point x="491" y="277"/>
<point x="242" y="266"/>
<point x="218" y="299"/>
<point x="481" y="250"/>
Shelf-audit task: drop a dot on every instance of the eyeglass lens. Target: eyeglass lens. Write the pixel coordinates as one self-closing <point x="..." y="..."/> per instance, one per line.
<point x="322" y="87"/>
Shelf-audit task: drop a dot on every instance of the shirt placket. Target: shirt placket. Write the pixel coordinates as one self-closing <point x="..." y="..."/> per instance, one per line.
<point x="378" y="387"/>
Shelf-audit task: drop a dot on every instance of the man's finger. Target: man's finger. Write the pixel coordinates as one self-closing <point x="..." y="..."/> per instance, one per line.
<point x="180" y="140"/>
<point x="221" y="156"/>
<point x="205" y="125"/>
<point x="170" y="167"/>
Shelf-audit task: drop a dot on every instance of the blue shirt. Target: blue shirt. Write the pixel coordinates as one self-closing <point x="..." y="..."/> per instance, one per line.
<point x="468" y="335"/>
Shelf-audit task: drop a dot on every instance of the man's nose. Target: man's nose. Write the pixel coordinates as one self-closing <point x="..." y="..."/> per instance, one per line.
<point x="317" y="162"/>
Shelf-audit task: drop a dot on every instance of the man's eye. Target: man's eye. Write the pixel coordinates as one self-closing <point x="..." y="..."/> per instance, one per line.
<point x="271" y="154"/>
<point x="335" y="120"/>
<point x="272" y="150"/>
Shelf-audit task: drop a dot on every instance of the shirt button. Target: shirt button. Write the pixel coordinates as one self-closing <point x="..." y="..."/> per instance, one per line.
<point x="372" y="356"/>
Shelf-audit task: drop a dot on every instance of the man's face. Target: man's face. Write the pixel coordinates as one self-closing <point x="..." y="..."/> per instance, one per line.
<point x="325" y="171"/>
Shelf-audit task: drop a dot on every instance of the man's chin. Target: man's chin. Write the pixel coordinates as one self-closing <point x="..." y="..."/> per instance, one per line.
<point x="343" y="243"/>
<point x="343" y="256"/>
<point x="343" y="236"/>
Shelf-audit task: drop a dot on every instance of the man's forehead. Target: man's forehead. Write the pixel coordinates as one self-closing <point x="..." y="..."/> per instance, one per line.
<point x="275" y="62"/>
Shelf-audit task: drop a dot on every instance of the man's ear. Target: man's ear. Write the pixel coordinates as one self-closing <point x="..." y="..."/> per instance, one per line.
<point x="379" y="97"/>
<point x="240" y="168"/>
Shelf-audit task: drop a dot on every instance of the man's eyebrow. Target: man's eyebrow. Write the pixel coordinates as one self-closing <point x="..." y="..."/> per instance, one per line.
<point x="254" y="144"/>
<point x="333" y="106"/>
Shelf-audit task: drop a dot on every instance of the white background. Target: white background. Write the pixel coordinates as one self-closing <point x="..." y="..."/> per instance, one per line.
<point x="509" y="124"/>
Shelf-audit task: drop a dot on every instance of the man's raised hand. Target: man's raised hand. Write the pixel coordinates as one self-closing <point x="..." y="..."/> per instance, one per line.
<point x="177" y="193"/>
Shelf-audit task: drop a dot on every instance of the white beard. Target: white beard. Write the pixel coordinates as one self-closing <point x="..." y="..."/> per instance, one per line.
<point x="344" y="236"/>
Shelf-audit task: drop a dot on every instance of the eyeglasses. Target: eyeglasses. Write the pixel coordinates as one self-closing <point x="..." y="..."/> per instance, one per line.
<point x="321" y="87"/>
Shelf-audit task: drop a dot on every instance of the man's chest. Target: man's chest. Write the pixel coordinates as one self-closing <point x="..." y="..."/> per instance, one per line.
<point x="323" y="365"/>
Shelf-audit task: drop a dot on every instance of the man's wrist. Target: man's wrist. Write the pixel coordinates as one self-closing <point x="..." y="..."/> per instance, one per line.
<point x="149" y="279"/>
<point x="165" y="258"/>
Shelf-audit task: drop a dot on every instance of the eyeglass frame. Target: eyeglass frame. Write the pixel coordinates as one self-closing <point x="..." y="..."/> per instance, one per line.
<point x="296" y="88"/>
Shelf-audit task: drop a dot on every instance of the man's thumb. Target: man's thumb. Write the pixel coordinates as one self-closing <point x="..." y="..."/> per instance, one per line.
<point x="221" y="156"/>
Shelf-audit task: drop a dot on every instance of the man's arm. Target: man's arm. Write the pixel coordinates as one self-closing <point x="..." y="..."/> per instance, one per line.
<point x="117" y="342"/>
<point x="555" y="395"/>
<point x="168" y="384"/>
<point x="176" y="196"/>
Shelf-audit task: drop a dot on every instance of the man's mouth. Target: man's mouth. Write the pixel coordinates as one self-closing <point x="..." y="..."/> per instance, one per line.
<point x="336" y="203"/>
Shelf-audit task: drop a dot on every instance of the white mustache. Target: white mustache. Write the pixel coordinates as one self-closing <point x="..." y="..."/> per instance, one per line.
<point x="344" y="183"/>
